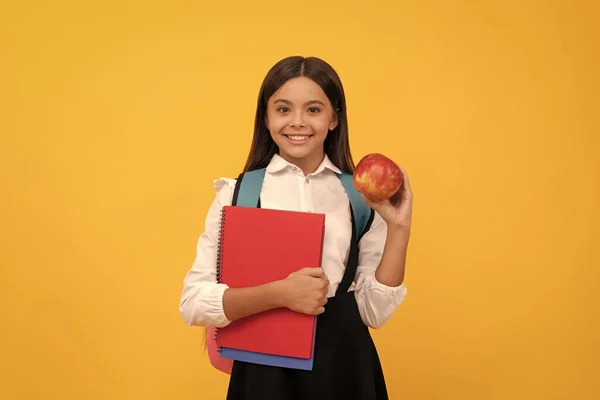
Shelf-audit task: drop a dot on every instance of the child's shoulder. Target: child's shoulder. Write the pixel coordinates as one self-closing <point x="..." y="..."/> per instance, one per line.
<point x="224" y="188"/>
<point x="224" y="184"/>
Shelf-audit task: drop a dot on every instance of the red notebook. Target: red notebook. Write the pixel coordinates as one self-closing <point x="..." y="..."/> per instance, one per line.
<point x="258" y="246"/>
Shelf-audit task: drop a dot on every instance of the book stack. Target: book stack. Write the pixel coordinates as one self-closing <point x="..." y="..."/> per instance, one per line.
<point x="258" y="246"/>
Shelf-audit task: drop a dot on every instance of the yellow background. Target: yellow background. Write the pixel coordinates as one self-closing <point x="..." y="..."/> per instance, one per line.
<point x="117" y="115"/>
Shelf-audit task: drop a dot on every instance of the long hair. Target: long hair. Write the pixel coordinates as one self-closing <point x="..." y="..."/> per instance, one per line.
<point x="336" y="146"/>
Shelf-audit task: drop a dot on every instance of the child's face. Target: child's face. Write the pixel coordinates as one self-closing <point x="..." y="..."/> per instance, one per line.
<point x="299" y="116"/>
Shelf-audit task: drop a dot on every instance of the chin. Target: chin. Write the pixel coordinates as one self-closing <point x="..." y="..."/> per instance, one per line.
<point x="297" y="154"/>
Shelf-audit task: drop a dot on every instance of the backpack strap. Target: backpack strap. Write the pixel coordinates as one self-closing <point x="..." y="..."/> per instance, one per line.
<point x="362" y="218"/>
<point x="362" y="213"/>
<point x="247" y="188"/>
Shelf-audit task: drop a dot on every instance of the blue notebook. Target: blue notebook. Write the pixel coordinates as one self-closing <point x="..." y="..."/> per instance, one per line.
<point x="270" y="359"/>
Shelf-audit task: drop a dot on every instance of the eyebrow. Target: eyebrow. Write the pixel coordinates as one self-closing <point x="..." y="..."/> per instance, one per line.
<point x="307" y="103"/>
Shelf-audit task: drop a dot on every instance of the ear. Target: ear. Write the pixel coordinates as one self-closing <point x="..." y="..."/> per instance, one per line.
<point x="267" y="121"/>
<point x="334" y="121"/>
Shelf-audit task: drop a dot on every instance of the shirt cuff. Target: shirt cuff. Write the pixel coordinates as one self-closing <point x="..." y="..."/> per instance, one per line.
<point x="215" y="305"/>
<point x="206" y="308"/>
<point x="377" y="302"/>
<point x="398" y="292"/>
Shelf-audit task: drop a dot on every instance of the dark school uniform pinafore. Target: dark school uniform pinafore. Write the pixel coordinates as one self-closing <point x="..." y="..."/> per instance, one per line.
<point x="346" y="363"/>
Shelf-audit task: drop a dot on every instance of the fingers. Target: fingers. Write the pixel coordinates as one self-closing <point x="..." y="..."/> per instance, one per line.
<point x="320" y="309"/>
<point x="318" y="304"/>
<point x="316" y="272"/>
<point x="313" y="306"/>
<point x="406" y="182"/>
<point x="321" y="302"/>
<point x="370" y="202"/>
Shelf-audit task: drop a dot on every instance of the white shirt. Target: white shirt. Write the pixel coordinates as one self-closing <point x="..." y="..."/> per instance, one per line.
<point x="286" y="187"/>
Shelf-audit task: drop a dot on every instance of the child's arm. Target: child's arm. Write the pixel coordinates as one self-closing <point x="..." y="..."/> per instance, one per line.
<point x="391" y="269"/>
<point x="382" y="258"/>
<point x="242" y="302"/>
<point x="201" y="301"/>
<point x="397" y="214"/>
<point x="376" y="300"/>
<point x="303" y="291"/>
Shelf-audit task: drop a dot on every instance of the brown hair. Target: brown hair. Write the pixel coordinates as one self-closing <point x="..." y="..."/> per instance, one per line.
<point x="336" y="146"/>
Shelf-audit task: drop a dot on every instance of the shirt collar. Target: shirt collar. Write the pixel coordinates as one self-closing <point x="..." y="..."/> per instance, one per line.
<point x="278" y="163"/>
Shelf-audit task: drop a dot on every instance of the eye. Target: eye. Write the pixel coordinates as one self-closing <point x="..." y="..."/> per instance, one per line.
<point x="283" y="109"/>
<point x="314" y="110"/>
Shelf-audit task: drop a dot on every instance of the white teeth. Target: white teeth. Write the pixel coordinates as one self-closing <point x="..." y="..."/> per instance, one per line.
<point x="298" y="138"/>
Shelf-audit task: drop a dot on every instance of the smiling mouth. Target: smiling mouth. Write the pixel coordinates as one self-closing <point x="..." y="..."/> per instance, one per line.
<point x="298" y="138"/>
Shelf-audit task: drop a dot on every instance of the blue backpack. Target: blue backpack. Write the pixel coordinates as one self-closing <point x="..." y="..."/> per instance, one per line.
<point x="249" y="184"/>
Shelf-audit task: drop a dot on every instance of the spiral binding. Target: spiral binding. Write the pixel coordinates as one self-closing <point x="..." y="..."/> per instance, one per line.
<point x="217" y="337"/>
<point x="220" y="263"/>
<point x="220" y="247"/>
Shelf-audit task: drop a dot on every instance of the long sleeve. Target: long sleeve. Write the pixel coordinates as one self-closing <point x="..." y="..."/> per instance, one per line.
<point x="202" y="297"/>
<point x="376" y="301"/>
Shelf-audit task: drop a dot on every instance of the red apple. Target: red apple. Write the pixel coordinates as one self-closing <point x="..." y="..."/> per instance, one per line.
<point x="377" y="177"/>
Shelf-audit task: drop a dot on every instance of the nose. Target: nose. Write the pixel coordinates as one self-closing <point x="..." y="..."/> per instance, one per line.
<point x="297" y="120"/>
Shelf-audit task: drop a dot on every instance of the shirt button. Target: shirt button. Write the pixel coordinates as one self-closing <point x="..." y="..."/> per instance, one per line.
<point x="295" y="169"/>
<point x="307" y="180"/>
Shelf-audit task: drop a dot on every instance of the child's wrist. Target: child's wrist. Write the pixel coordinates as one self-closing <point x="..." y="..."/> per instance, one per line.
<point x="276" y="293"/>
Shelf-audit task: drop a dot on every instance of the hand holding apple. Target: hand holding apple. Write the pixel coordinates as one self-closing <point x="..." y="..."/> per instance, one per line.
<point x="385" y="187"/>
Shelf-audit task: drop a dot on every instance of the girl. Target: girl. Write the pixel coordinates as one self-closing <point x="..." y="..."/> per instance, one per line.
<point x="301" y="138"/>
